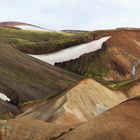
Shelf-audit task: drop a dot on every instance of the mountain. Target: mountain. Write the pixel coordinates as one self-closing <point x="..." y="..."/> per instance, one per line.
<point x="83" y="102"/>
<point x="22" y="26"/>
<point x="23" y="78"/>
<point x="120" y="122"/>
<point x="75" y="31"/>
<point x="69" y="85"/>
<point x="113" y="62"/>
<point x="32" y="129"/>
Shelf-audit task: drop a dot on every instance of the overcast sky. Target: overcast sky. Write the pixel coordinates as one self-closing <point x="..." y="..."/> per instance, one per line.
<point x="73" y="14"/>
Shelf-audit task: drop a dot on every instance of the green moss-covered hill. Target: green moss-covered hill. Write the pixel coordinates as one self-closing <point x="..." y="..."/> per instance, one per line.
<point x="41" y="42"/>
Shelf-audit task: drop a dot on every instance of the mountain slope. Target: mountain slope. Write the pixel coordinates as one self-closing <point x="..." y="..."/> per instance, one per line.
<point x="118" y="59"/>
<point x="7" y="110"/>
<point x="25" y="128"/>
<point x="24" y="78"/>
<point x="22" y="37"/>
<point x="114" y="61"/>
<point x="81" y="103"/>
<point x="120" y="122"/>
<point x="72" y="53"/>
<point x="47" y="102"/>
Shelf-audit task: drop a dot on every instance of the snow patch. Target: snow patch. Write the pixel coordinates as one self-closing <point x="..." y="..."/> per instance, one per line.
<point x="4" y="97"/>
<point x="72" y="52"/>
<point x="29" y="27"/>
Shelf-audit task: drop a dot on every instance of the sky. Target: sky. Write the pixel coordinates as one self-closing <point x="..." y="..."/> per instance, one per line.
<point x="73" y="14"/>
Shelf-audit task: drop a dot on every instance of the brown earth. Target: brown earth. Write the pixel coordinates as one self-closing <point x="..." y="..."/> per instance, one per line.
<point x="127" y="40"/>
<point x="28" y="129"/>
<point x="81" y="103"/>
<point x="132" y="90"/>
<point x="119" y="123"/>
<point x="71" y="108"/>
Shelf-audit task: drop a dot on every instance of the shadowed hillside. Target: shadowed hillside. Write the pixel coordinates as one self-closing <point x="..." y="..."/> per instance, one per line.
<point x="23" y="78"/>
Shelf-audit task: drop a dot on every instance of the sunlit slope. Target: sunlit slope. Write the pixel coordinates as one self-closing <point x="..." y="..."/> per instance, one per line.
<point x="120" y="122"/>
<point x="25" y="128"/>
<point x="81" y="103"/>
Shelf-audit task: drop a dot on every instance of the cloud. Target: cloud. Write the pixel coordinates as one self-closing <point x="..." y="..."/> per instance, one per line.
<point x="74" y="14"/>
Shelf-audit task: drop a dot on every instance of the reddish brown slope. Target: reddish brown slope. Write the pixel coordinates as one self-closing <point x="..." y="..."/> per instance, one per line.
<point x="128" y="40"/>
<point x="114" y="61"/>
<point x="119" y="123"/>
<point x="28" y="129"/>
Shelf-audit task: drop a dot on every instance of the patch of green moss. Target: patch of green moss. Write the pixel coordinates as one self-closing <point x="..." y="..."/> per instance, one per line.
<point x="117" y="84"/>
<point x="120" y="84"/>
<point x="38" y="42"/>
<point x="99" y="67"/>
<point x="7" y="35"/>
<point x="54" y="45"/>
<point x="19" y="41"/>
<point x="97" y="72"/>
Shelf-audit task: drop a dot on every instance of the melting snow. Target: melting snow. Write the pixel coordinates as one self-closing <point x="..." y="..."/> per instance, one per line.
<point x="73" y="52"/>
<point x="4" y="97"/>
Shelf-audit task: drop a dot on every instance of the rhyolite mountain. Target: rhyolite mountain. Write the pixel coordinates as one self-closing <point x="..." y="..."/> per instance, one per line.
<point x="84" y="98"/>
<point x="114" y="61"/>
<point x="120" y="122"/>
